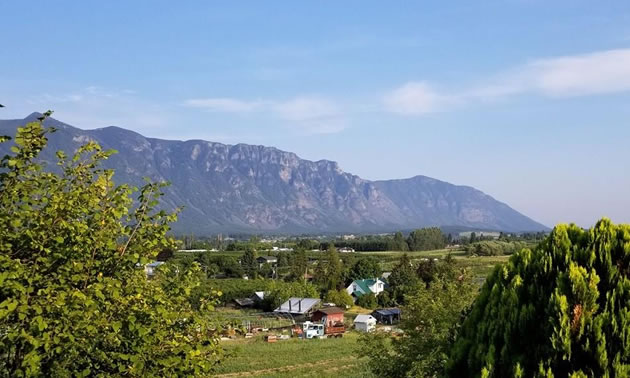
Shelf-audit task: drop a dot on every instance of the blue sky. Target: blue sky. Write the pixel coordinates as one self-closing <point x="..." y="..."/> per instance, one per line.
<point x="526" y="100"/>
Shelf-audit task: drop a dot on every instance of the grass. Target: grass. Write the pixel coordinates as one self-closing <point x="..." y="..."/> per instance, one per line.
<point x="294" y="358"/>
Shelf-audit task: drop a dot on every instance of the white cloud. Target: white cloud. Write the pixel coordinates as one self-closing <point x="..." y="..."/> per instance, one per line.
<point x="597" y="73"/>
<point x="415" y="98"/>
<point x="313" y="115"/>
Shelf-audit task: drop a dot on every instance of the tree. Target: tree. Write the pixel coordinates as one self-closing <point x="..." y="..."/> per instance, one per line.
<point x="426" y="239"/>
<point x="363" y="268"/>
<point x="562" y="309"/>
<point x="249" y="263"/>
<point x="279" y="292"/>
<point x="72" y="300"/>
<point x="367" y="301"/>
<point x="334" y="269"/>
<point x="339" y="298"/>
<point x="432" y="315"/>
<point x="299" y="265"/>
<point x="403" y="280"/>
<point x="283" y="260"/>
<point x="399" y="243"/>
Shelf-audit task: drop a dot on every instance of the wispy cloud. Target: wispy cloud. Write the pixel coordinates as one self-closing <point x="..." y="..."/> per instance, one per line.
<point x="310" y="114"/>
<point x="568" y="76"/>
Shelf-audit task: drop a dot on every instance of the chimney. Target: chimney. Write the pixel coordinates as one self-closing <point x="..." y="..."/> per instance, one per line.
<point x="289" y="304"/>
<point x="300" y="305"/>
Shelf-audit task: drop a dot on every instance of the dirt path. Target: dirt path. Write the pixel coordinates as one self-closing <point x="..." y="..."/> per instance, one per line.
<point x="292" y="367"/>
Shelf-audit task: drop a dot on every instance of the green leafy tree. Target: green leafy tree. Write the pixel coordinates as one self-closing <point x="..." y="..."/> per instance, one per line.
<point x="432" y="316"/>
<point x="367" y="267"/>
<point x="399" y="243"/>
<point x="73" y="301"/>
<point x="279" y="292"/>
<point x="403" y="280"/>
<point x="562" y="309"/>
<point x="339" y="298"/>
<point x="426" y="239"/>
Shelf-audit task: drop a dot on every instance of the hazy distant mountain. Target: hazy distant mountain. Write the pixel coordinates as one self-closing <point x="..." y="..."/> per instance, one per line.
<point x="245" y="188"/>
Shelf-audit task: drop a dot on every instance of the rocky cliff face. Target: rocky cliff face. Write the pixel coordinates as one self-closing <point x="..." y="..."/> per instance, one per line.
<point x="245" y="188"/>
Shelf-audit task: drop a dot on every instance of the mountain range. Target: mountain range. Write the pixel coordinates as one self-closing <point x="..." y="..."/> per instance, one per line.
<point x="256" y="189"/>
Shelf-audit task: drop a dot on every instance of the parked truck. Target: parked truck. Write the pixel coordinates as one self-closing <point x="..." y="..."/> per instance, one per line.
<point x="312" y="330"/>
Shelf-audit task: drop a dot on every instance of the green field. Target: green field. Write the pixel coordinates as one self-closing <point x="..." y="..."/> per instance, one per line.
<point x="293" y="358"/>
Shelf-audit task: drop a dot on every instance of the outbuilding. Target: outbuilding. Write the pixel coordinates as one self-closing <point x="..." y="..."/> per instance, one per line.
<point x="330" y="316"/>
<point x="387" y="315"/>
<point x="364" y="323"/>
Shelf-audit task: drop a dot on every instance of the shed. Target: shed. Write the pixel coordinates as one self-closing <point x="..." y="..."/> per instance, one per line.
<point x="298" y="306"/>
<point x="387" y="315"/>
<point x="267" y="260"/>
<point x="330" y="316"/>
<point x="364" y="323"/>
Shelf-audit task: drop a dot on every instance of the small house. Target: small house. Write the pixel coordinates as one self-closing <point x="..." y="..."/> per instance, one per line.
<point x="387" y="315"/>
<point x="364" y="323"/>
<point x="299" y="306"/>
<point x="365" y="287"/>
<point x="330" y="316"/>
<point x="346" y="249"/>
<point x="271" y="260"/>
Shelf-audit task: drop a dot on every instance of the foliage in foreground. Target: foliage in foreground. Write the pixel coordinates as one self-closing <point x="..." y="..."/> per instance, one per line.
<point x="562" y="309"/>
<point x="430" y="320"/>
<point x="72" y="298"/>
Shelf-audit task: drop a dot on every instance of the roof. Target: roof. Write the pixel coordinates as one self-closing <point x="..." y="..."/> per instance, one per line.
<point x="364" y="318"/>
<point x="155" y="264"/>
<point x="298" y="305"/>
<point x="331" y="310"/>
<point x="244" y="301"/>
<point x="268" y="258"/>
<point x="387" y="311"/>
<point x="365" y="285"/>
<point x="259" y="295"/>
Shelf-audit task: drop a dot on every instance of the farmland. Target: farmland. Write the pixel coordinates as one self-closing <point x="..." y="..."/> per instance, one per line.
<point x="293" y="358"/>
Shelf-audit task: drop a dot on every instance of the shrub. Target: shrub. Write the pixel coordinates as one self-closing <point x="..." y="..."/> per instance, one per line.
<point x="561" y="309"/>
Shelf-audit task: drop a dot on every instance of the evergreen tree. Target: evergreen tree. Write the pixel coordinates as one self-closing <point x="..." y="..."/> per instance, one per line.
<point x="561" y="310"/>
<point x="334" y="269"/>
<point x="249" y="263"/>
<point x="299" y="265"/>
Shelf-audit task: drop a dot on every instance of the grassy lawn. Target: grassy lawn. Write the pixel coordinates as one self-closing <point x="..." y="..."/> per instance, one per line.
<point x="294" y="358"/>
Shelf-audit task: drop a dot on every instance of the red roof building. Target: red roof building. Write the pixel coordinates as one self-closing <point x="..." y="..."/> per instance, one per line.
<point x="330" y="316"/>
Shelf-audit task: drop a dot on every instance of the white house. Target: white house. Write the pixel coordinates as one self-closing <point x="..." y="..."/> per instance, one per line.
<point x="362" y="287"/>
<point x="364" y="323"/>
<point x="150" y="269"/>
<point x="346" y="249"/>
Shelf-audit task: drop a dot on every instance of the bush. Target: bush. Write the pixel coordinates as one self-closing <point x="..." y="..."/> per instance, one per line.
<point x="367" y="301"/>
<point x="562" y="309"/>
<point x="339" y="298"/>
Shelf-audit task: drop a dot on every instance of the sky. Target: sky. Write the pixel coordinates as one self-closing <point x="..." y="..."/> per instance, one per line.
<point x="526" y="100"/>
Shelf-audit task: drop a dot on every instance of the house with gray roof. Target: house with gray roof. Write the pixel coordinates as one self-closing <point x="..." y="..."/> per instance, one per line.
<point x="299" y="306"/>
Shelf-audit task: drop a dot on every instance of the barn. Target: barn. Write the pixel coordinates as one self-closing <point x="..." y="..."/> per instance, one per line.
<point x="330" y="316"/>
